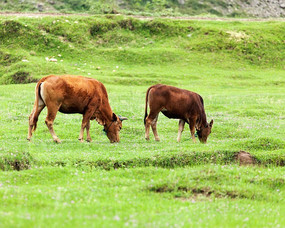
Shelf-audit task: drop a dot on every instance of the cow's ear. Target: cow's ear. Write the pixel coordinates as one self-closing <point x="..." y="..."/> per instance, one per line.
<point x="211" y="123"/>
<point x="114" y="117"/>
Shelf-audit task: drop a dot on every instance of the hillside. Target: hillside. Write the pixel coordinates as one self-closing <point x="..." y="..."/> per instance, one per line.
<point x="232" y="8"/>
<point x="28" y="42"/>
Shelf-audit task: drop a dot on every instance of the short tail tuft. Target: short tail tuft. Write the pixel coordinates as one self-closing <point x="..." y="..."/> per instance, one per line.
<point x="145" y="117"/>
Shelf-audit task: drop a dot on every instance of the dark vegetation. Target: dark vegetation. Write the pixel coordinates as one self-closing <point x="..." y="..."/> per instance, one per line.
<point x="159" y="7"/>
<point x="23" y="160"/>
<point x="16" y="161"/>
<point x="150" y="7"/>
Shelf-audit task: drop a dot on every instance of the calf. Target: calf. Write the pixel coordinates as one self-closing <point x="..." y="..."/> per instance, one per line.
<point x="179" y="104"/>
<point x="75" y="94"/>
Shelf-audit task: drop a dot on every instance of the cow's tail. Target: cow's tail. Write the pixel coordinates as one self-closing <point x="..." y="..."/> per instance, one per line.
<point x="203" y="118"/>
<point x="33" y="118"/>
<point x="202" y="101"/>
<point x="146" y="103"/>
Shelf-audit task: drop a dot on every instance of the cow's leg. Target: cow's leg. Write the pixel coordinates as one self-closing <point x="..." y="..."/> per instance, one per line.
<point x="180" y="129"/>
<point x="51" y="114"/>
<point x="151" y="120"/>
<point x="147" y="126"/>
<point x="88" y="132"/>
<point x="86" y="124"/>
<point x="153" y="127"/>
<point x="33" y="119"/>
<point x="192" y="123"/>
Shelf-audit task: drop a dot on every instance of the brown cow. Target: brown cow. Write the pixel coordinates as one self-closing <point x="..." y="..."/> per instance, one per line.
<point x="179" y="104"/>
<point x="75" y="94"/>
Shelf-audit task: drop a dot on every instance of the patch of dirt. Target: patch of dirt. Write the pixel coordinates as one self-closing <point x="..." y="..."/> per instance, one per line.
<point x="244" y="158"/>
<point x="200" y="194"/>
<point x="19" y="165"/>
<point x="22" y="77"/>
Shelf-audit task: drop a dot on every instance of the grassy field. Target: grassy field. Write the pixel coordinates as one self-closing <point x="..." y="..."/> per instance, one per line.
<point x="237" y="67"/>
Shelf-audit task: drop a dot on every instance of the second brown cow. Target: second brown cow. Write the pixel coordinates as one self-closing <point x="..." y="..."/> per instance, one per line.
<point x="179" y="104"/>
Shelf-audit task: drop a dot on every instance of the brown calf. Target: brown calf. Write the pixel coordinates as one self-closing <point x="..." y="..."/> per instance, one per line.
<point x="75" y="94"/>
<point x="179" y="104"/>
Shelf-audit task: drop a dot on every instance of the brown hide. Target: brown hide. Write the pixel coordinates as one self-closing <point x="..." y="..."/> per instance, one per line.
<point x="179" y="104"/>
<point x="74" y="94"/>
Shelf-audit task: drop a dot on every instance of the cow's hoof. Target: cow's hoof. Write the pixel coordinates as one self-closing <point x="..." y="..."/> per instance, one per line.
<point x="157" y="139"/>
<point x="89" y="140"/>
<point x="29" y="139"/>
<point x="147" y="139"/>
<point x="57" y="141"/>
<point x="80" y="140"/>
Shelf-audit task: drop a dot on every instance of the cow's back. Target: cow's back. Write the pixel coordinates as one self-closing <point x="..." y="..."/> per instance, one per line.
<point x="74" y="93"/>
<point x="175" y="102"/>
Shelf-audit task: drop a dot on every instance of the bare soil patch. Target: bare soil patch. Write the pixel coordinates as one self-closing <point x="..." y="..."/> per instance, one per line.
<point x="197" y="194"/>
<point x="244" y="158"/>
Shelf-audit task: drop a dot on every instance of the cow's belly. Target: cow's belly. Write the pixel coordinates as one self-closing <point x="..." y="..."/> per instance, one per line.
<point x="171" y="115"/>
<point x="70" y="110"/>
<point x="70" y="107"/>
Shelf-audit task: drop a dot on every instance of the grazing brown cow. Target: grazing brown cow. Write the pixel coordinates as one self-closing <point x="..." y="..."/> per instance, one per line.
<point x="179" y="104"/>
<point x="75" y="94"/>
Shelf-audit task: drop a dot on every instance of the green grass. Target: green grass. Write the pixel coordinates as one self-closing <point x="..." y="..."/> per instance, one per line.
<point x="135" y="182"/>
<point x="125" y="197"/>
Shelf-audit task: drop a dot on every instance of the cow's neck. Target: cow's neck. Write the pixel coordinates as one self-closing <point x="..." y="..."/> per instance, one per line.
<point x="107" y="118"/>
<point x="108" y="121"/>
<point x="106" y="110"/>
<point x="104" y="115"/>
<point x="202" y="120"/>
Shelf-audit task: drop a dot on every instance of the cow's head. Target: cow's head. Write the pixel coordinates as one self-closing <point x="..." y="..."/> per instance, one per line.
<point x="204" y="132"/>
<point x="112" y="129"/>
